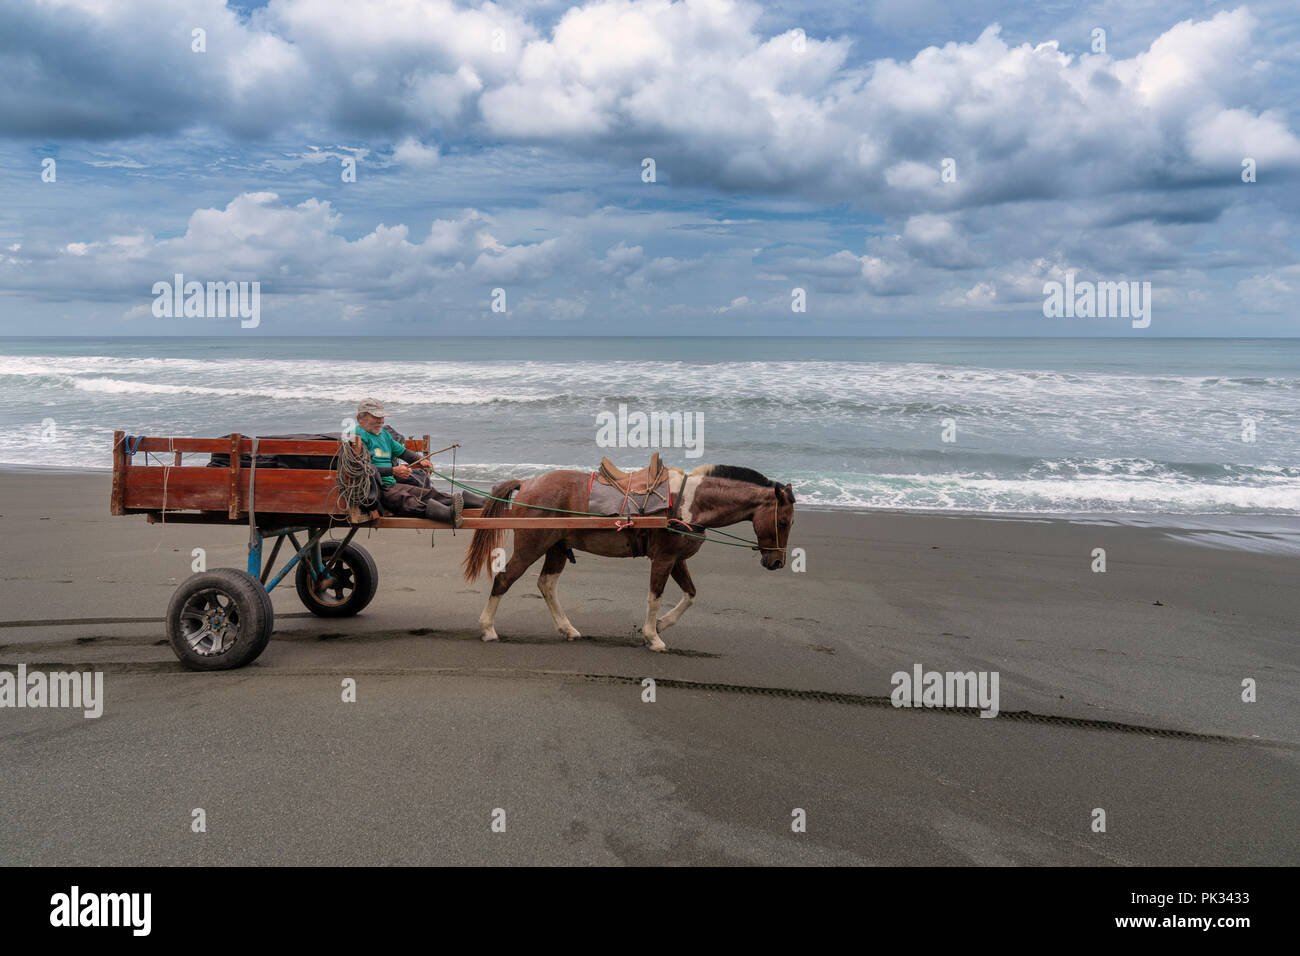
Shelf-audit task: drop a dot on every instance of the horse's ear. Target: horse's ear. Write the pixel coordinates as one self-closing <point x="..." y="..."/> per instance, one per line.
<point x="789" y="493"/>
<point x="781" y="493"/>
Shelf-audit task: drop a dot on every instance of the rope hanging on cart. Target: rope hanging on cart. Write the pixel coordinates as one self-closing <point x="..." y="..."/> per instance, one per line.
<point x="352" y="477"/>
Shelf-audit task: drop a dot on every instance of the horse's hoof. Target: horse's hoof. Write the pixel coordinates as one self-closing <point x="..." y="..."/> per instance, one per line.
<point x="490" y="636"/>
<point x="572" y="634"/>
<point x="655" y="644"/>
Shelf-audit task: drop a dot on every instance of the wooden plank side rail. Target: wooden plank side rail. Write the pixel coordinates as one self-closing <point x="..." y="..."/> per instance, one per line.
<point x="266" y="446"/>
<point x="197" y="494"/>
<point x="233" y="499"/>
<point x="471" y="521"/>
<point x="156" y="486"/>
<point x="279" y="490"/>
<point x="303" y="492"/>
<point x="121" y="462"/>
<point x="576" y="522"/>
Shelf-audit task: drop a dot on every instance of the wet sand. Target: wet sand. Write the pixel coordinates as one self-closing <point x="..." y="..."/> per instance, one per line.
<point x="773" y="697"/>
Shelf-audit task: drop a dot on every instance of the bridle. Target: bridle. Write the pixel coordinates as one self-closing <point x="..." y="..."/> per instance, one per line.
<point x="737" y="542"/>
<point x="776" y="532"/>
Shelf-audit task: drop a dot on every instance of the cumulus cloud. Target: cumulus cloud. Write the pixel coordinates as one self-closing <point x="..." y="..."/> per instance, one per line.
<point x="1105" y="164"/>
<point x="937" y="240"/>
<point x="1274" y="291"/>
<point x="634" y="270"/>
<point x="982" y="295"/>
<point x="291" y="250"/>
<point x="737" y="304"/>
<point x="888" y="273"/>
<point x="694" y="83"/>
<point x="411" y="152"/>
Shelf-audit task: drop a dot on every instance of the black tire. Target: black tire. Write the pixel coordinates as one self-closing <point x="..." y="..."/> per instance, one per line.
<point x="219" y="619"/>
<point x="270" y="619"/>
<point x="356" y="579"/>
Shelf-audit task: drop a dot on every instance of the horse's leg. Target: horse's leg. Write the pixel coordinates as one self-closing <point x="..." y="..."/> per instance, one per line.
<point x="659" y="569"/>
<point x="683" y="579"/>
<point x="528" y="548"/>
<point x="554" y="564"/>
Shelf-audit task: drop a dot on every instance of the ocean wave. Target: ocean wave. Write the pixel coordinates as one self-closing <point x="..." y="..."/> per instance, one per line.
<point x="1130" y="487"/>
<point x="1119" y="494"/>
<point x="898" y="382"/>
<point x="865" y="434"/>
<point x="399" y="395"/>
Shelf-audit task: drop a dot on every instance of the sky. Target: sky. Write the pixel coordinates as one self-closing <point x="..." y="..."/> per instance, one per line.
<point x="614" y="167"/>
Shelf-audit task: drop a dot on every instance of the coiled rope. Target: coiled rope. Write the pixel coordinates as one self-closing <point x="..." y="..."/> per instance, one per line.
<point x="352" y="477"/>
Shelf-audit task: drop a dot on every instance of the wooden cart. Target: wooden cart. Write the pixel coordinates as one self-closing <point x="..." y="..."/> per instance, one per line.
<point x="222" y="618"/>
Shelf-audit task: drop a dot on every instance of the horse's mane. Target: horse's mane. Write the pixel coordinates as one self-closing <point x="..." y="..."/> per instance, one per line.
<point x="735" y="472"/>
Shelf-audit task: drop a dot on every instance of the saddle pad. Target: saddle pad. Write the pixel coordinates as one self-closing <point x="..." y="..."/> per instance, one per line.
<point x="638" y="482"/>
<point x="605" y="500"/>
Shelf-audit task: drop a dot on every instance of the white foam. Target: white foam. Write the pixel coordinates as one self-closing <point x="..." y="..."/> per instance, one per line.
<point x="1125" y="493"/>
<point x="1087" y="441"/>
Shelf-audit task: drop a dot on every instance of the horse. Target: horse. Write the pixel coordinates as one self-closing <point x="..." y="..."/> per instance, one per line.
<point x="711" y="496"/>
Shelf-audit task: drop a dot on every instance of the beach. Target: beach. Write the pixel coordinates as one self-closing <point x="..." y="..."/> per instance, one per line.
<point x="988" y="308"/>
<point x="1120" y="691"/>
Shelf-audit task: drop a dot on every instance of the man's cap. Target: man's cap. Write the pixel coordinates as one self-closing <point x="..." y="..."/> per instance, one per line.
<point x="371" y="406"/>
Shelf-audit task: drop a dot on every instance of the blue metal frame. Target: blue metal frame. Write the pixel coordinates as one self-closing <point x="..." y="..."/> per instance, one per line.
<point x="311" y="551"/>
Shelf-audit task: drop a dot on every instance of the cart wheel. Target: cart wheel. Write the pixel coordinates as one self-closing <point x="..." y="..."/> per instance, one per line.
<point x="219" y="619"/>
<point x="349" y="587"/>
<point x="270" y="620"/>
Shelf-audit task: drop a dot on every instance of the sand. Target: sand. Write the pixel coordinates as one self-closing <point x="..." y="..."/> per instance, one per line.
<point x="773" y="698"/>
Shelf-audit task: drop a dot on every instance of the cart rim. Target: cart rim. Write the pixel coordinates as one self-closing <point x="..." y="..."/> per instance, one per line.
<point x="342" y="587"/>
<point x="208" y="626"/>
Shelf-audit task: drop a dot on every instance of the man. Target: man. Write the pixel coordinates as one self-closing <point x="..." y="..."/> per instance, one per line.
<point x="394" y="462"/>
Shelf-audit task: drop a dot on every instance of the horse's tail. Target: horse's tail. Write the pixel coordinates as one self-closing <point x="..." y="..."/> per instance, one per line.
<point x="486" y="540"/>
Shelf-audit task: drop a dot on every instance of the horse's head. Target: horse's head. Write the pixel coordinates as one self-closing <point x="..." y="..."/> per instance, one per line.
<point x="772" y="523"/>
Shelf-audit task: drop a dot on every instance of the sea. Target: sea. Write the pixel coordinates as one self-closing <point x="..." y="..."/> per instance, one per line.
<point x="1142" y="428"/>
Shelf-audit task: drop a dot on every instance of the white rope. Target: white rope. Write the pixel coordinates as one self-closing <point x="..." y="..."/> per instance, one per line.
<point x="352" y="477"/>
<point x="162" y="515"/>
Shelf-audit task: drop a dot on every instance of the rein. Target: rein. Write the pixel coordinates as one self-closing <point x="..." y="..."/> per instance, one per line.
<point x="744" y="542"/>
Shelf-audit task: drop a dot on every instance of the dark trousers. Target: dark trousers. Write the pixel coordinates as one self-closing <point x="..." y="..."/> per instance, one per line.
<point x="412" y="501"/>
<point x="415" y="501"/>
